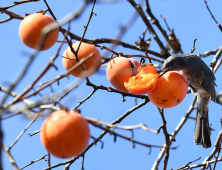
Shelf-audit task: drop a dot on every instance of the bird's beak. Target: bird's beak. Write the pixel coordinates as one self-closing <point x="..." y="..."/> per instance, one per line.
<point x="163" y="71"/>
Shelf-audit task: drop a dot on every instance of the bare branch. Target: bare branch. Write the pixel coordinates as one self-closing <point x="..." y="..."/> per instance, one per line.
<point x="200" y="165"/>
<point x="32" y="162"/>
<point x="101" y="136"/>
<point x="194" y="41"/>
<point x="156" y="22"/>
<point x="117" y="42"/>
<point x="187" y="165"/>
<point x="23" y="131"/>
<point x="208" y="53"/>
<point x="140" y="126"/>
<point x="176" y="131"/>
<point x="81" y="102"/>
<point x="11" y="15"/>
<point x="128" y="138"/>
<point x="10" y="157"/>
<point x="164" y="19"/>
<point x="215" y="149"/>
<point x="2" y="9"/>
<point x="216" y="58"/>
<point x="139" y="9"/>
<point x="213" y="16"/>
<point x="167" y="139"/>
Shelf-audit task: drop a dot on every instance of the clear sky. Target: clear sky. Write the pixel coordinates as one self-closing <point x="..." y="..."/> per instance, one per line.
<point x="189" y="18"/>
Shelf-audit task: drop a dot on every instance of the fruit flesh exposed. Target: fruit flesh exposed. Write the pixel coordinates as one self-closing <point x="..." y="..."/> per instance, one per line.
<point x="144" y="81"/>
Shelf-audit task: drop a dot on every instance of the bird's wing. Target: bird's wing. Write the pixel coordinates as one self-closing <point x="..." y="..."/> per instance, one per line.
<point x="209" y="86"/>
<point x="208" y="82"/>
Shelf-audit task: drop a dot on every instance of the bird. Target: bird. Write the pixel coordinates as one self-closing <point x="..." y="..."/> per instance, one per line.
<point x="202" y="82"/>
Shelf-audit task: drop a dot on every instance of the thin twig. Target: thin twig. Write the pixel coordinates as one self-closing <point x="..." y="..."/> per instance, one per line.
<point x="187" y="165"/>
<point x="32" y="162"/>
<point x="139" y="9"/>
<point x="129" y="138"/>
<point x="216" y="58"/>
<point x="167" y="139"/>
<point x="117" y="42"/>
<point x="81" y="102"/>
<point x="23" y="131"/>
<point x="193" y="49"/>
<point x="213" y="16"/>
<point x="10" y="157"/>
<point x="2" y="9"/>
<point x="218" y="153"/>
<point x="156" y="22"/>
<point x="49" y="159"/>
<point x="176" y="131"/>
<point x="164" y="19"/>
<point x="214" y="151"/>
<point x="140" y="126"/>
<point x="201" y="165"/>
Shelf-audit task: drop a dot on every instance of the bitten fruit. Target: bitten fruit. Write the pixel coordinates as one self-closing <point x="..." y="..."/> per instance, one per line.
<point x="65" y="133"/>
<point x="119" y="70"/>
<point x="91" y="65"/>
<point x="170" y="90"/>
<point x="30" y="31"/>
<point x="144" y="81"/>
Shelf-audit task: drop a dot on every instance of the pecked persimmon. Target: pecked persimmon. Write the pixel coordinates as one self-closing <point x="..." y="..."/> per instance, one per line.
<point x="144" y="81"/>
<point x="170" y="90"/>
<point x="91" y="65"/>
<point x="65" y="133"/>
<point x="30" y="31"/>
<point x="119" y="70"/>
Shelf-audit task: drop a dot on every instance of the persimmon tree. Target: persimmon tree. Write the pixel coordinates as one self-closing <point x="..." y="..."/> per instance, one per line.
<point x="89" y="76"/>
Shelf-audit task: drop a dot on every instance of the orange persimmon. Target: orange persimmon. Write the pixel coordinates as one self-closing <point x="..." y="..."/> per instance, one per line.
<point x="91" y="65"/>
<point x="119" y="70"/>
<point x="30" y="31"/>
<point x="170" y="90"/>
<point x="144" y="81"/>
<point x="65" y="133"/>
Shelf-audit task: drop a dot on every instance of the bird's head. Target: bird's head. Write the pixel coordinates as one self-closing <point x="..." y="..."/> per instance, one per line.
<point x="173" y="63"/>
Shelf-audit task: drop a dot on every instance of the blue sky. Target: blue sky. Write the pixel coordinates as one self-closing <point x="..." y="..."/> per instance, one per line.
<point x="189" y="18"/>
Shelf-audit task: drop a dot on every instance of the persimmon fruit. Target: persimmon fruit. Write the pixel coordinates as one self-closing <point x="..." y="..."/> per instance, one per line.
<point x="170" y="90"/>
<point x="91" y="65"/>
<point x="65" y="133"/>
<point x="144" y="81"/>
<point x="119" y="70"/>
<point x="30" y="31"/>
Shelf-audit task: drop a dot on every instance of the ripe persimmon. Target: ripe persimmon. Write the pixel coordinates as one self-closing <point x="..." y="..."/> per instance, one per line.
<point x="30" y="31"/>
<point x="91" y="65"/>
<point x="144" y="81"/>
<point x="119" y="70"/>
<point x="65" y="133"/>
<point x="170" y="90"/>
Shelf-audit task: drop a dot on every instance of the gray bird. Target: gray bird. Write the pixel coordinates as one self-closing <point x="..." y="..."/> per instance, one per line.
<point x="202" y="81"/>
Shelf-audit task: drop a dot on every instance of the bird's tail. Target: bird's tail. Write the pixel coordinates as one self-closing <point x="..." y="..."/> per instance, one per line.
<point x="202" y="131"/>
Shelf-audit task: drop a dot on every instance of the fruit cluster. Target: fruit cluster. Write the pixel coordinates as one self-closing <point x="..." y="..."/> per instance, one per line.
<point x="66" y="133"/>
<point x="127" y="75"/>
